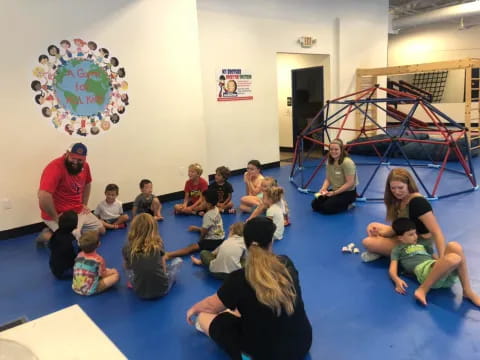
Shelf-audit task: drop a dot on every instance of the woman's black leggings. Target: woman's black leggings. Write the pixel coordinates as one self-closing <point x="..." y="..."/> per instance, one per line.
<point x="334" y="204"/>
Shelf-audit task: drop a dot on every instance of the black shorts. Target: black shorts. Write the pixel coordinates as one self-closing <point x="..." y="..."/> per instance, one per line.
<point x="146" y="211"/>
<point x="226" y="331"/>
<point x="208" y="244"/>
<point x="111" y="221"/>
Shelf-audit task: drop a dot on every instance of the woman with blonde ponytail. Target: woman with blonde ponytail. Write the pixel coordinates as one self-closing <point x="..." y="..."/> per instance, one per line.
<point x="266" y="318"/>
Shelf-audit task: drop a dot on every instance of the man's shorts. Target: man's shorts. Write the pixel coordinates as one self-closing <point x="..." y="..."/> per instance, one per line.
<point x="86" y="222"/>
<point x="423" y="269"/>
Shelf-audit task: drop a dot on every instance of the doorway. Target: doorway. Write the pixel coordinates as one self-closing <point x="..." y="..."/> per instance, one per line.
<point x="307" y="99"/>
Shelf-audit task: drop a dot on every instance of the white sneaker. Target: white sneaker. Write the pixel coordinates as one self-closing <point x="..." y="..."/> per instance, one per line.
<point x="43" y="238"/>
<point x="368" y="256"/>
<point x="197" y="326"/>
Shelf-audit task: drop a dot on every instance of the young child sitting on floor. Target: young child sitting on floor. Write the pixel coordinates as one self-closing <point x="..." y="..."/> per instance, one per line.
<point x="62" y="251"/>
<point x="110" y="210"/>
<point x="149" y="274"/>
<point x="224" y="190"/>
<point x="416" y="258"/>
<point x="272" y="199"/>
<point x="147" y="202"/>
<point x="194" y="187"/>
<point x="90" y="275"/>
<point x="259" y="208"/>
<point x="227" y="257"/>
<point x="211" y="231"/>
<point x="268" y="183"/>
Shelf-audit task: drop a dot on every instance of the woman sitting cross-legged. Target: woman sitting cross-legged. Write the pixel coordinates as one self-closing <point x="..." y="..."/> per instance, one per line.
<point x="266" y="317"/>
<point x="338" y="191"/>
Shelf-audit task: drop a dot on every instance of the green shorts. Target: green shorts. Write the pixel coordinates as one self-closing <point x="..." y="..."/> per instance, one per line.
<point x="423" y="269"/>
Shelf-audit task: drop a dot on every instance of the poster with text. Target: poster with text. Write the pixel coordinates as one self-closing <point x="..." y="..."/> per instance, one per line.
<point x="234" y="85"/>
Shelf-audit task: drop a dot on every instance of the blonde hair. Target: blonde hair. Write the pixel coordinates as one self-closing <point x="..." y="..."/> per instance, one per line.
<point x="391" y="202"/>
<point x="196" y="167"/>
<point x="143" y="236"/>
<point x="88" y="242"/>
<point x="237" y="228"/>
<point x="270" y="181"/>
<point x="275" y="193"/>
<point x="270" y="279"/>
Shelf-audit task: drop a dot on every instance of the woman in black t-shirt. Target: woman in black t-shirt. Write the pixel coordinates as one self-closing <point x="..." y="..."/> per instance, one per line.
<point x="402" y="199"/>
<point x="266" y="318"/>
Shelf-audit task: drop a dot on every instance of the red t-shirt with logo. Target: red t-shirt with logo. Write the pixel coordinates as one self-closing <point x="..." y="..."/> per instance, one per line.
<point x="66" y="189"/>
<point x="195" y="190"/>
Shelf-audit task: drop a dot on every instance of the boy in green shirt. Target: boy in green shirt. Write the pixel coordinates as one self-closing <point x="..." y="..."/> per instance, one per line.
<point x="416" y="258"/>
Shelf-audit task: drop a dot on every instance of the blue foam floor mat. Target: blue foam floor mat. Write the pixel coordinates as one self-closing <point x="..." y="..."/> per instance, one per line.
<point x="353" y="308"/>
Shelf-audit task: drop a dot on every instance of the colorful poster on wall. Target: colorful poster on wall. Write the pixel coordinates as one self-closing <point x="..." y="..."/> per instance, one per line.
<point x="234" y="85"/>
<point x="80" y="88"/>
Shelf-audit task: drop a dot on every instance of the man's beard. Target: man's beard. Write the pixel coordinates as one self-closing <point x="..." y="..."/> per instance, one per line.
<point x="72" y="168"/>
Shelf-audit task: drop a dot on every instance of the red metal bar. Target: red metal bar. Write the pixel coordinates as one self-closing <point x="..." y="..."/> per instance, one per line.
<point x="464" y="164"/>
<point x="315" y="171"/>
<point x="398" y="93"/>
<point x="442" y="169"/>
<point x="295" y="157"/>
<point x="436" y="120"/>
<point x="314" y="140"/>
<point x="355" y="93"/>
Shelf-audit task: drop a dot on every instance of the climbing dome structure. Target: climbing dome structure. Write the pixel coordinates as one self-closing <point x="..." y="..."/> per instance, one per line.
<point x="440" y="142"/>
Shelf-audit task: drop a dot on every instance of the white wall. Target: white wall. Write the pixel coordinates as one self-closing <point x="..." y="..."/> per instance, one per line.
<point x="173" y="118"/>
<point x="249" y="34"/>
<point x="437" y="42"/>
<point x="285" y="64"/>
<point x="163" y="127"/>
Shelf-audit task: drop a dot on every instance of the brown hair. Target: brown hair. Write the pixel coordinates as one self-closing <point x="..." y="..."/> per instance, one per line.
<point x="391" y="202"/>
<point x="143" y="236"/>
<point x="112" y="187"/>
<point x="343" y="152"/>
<point x="223" y="171"/>
<point x="88" y="242"/>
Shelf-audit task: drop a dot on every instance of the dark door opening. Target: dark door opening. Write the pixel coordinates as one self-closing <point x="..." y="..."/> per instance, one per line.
<point x="307" y="99"/>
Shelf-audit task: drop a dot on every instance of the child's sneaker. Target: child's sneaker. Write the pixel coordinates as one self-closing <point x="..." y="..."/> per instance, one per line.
<point x="176" y="261"/>
<point x="368" y="256"/>
<point x="197" y="326"/>
<point x="43" y="238"/>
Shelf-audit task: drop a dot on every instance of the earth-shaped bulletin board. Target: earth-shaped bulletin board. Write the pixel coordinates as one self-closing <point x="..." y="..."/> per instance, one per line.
<point x="80" y="88"/>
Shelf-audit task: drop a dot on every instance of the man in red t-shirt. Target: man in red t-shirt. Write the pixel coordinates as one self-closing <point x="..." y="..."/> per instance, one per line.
<point x="65" y="185"/>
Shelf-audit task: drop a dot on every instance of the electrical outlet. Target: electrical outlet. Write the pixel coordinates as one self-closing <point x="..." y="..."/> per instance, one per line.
<point x="6" y="204"/>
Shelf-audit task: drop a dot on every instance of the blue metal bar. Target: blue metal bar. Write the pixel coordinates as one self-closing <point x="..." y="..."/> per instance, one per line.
<point x="443" y="115"/>
<point x="309" y="127"/>
<point x="457" y="193"/>
<point x="469" y="157"/>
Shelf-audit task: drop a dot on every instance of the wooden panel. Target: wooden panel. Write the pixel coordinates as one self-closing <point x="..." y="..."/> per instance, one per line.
<point x="366" y="82"/>
<point x="416" y="68"/>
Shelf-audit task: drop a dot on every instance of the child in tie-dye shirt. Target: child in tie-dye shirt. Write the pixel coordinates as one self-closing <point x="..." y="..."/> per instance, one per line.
<point x="90" y="275"/>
